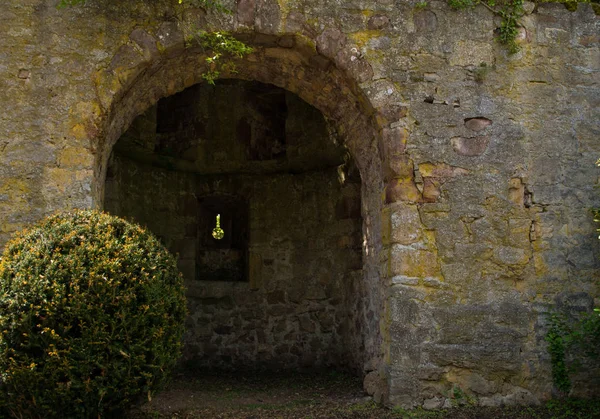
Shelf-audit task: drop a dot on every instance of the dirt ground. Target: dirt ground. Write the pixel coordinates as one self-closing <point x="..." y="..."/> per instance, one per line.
<point x="195" y="395"/>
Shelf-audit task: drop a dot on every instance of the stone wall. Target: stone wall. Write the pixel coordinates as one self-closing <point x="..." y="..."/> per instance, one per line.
<point x="477" y="167"/>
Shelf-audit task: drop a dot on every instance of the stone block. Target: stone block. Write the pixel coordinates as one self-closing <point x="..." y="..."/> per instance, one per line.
<point x="434" y="283"/>
<point x="496" y="357"/>
<point x="170" y="36"/>
<point x="466" y="252"/>
<point x="406" y="227"/>
<point x="270" y="42"/>
<point x="295" y="22"/>
<point x="430" y="372"/>
<point x="431" y="189"/>
<point x="377" y="22"/>
<point x="392" y="112"/>
<point x="516" y="191"/>
<point x="403" y="388"/>
<point x="431" y="77"/>
<point x="440" y="170"/>
<point x="472" y="53"/>
<point x="402" y="190"/>
<point x="375" y="385"/>
<point x="399" y="166"/>
<point x="433" y="403"/>
<point x="145" y="41"/>
<point x="320" y="62"/>
<point x="508" y="255"/>
<point x="472" y="382"/>
<point x="425" y="21"/>
<point x="126" y="58"/>
<point x="306" y="324"/>
<point x="521" y="232"/>
<point x="286" y="42"/>
<point x="394" y="141"/>
<point x="268" y="16"/>
<point x="404" y="280"/>
<point x="78" y="158"/>
<point x="516" y="396"/>
<point x="246" y="12"/>
<point x="24" y="74"/>
<point x="410" y="262"/>
<point x="330" y="42"/>
<point x="357" y="67"/>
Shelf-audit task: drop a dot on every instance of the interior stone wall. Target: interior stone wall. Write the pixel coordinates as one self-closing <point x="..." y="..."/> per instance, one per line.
<point x="295" y="306"/>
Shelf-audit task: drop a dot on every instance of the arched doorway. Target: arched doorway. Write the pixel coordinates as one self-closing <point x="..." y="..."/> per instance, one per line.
<point x="278" y="287"/>
<point x="293" y="64"/>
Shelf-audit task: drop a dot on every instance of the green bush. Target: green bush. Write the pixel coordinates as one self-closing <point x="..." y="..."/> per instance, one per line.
<point x="91" y="317"/>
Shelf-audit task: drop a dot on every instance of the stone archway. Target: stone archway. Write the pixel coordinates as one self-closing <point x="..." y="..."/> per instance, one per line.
<point x="279" y="288"/>
<point x="369" y="120"/>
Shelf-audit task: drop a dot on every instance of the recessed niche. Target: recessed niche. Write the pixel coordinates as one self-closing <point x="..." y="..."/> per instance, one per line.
<point x="222" y="257"/>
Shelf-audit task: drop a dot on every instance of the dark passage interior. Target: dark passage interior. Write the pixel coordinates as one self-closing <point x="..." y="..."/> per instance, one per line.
<point x="247" y="184"/>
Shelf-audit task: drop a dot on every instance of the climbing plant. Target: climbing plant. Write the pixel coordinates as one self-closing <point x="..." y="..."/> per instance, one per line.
<point x="511" y="11"/>
<point x="220" y="47"/>
<point x="571" y="342"/>
<point x="558" y="340"/>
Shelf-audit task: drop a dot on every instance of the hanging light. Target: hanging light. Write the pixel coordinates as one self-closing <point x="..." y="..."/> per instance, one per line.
<point x="218" y="232"/>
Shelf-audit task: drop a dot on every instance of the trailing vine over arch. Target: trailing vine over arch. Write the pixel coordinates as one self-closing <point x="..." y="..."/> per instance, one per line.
<point x="219" y="46"/>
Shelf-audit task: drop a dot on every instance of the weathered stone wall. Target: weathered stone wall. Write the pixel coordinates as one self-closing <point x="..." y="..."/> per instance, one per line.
<point x="295" y="306"/>
<point x="503" y="151"/>
<point x="477" y="167"/>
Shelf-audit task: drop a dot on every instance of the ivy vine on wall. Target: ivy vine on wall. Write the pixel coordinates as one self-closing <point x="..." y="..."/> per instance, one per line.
<point x="511" y="11"/>
<point x="223" y="45"/>
<point x="574" y="341"/>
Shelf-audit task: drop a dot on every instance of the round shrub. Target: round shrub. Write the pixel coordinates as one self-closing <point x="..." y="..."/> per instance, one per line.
<point x="91" y="317"/>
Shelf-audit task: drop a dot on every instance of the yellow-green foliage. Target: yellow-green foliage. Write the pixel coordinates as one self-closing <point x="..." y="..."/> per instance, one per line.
<point x="511" y="11"/>
<point x="219" y="45"/>
<point x="91" y="317"/>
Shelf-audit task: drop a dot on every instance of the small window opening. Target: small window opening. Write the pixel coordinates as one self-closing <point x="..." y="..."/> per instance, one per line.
<point x="222" y="251"/>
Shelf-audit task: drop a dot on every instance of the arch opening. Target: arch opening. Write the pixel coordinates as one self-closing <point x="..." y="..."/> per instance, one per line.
<point x="299" y="69"/>
<point x="273" y="283"/>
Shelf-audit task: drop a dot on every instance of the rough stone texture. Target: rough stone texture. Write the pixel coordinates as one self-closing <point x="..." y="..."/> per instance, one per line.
<point x="501" y="244"/>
